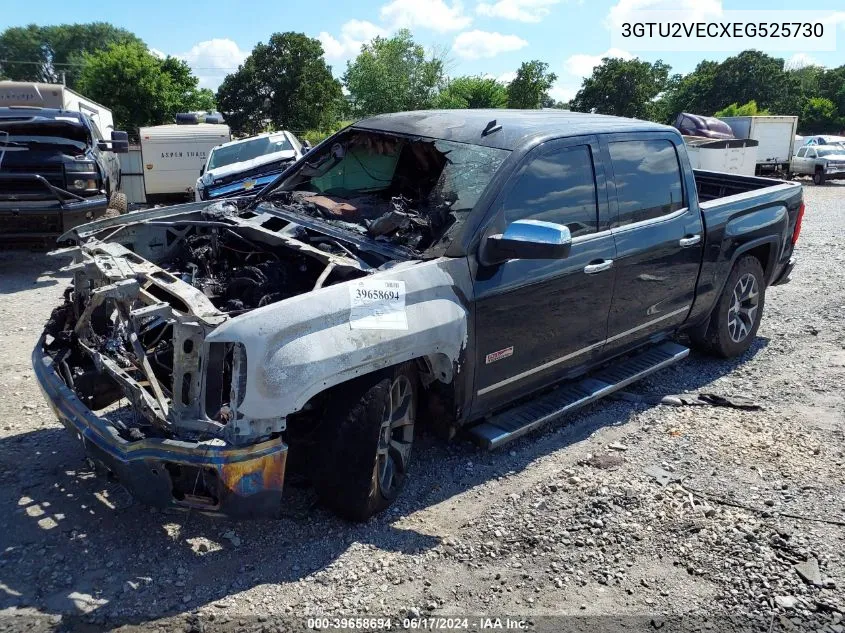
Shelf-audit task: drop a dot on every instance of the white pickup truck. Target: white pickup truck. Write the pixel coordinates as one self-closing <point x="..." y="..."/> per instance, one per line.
<point x="244" y="166"/>
<point x="822" y="162"/>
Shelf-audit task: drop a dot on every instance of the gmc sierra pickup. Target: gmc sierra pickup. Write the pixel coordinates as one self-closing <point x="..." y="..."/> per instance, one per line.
<point x="447" y="266"/>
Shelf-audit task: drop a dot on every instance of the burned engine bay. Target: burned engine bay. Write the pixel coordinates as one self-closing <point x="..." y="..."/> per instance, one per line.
<point x="134" y="322"/>
<point x="404" y="191"/>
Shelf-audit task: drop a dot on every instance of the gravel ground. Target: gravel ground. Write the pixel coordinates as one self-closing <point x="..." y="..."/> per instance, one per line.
<point x="567" y="522"/>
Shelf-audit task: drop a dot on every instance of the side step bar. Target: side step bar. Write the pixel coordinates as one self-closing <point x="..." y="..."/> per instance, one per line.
<point x="512" y="423"/>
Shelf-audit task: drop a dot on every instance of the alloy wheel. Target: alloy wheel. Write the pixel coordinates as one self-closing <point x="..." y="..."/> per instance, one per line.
<point x="744" y="304"/>
<point x="396" y="435"/>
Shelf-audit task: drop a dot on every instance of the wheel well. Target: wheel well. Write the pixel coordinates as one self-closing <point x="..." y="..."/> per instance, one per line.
<point x="762" y="253"/>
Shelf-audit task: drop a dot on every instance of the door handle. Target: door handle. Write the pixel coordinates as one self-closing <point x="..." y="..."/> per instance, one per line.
<point x="692" y="240"/>
<point x="605" y="264"/>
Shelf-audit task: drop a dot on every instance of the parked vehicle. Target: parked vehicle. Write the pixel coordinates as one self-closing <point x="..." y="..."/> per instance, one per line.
<point x="174" y="154"/>
<point x="451" y="266"/>
<point x="732" y="156"/>
<point x="243" y="166"/>
<point x="702" y="126"/>
<point x="775" y="135"/>
<point x="824" y="139"/>
<point x="822" y="162"/>
<point x="56" y="171"/>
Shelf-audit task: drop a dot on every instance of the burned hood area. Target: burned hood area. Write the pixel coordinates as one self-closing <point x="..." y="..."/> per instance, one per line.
<point x="412" y="193"/>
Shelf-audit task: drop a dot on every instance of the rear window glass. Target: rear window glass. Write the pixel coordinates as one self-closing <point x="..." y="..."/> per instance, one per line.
<point x="648" y="179"/>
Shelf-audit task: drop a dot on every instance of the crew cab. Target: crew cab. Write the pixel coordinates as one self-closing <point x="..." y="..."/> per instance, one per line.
<point x="478" y="270"/>
<point x="245" y="166"/>
<point x="56" y="171"/>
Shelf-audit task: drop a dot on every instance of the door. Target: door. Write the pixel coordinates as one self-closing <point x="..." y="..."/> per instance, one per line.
<point x="538" y="320"/>
<point x="799" y="162"/>
<point x="659" y="239"/>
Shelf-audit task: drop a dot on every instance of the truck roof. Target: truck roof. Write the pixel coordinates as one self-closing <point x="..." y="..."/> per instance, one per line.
<point x="518" y="126"/>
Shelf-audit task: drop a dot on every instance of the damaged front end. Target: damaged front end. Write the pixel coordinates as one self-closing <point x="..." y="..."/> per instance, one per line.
<point x="134" y="331"/>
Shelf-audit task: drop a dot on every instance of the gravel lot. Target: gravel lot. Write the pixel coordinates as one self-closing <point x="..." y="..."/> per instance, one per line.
<point x="565" y="522"/>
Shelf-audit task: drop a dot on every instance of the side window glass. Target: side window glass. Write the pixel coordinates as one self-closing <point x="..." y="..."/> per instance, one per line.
<point x="811" y="153"/>
<point x="802" y="152"/>
<point x="557" y="187"/>
<point x="648" y="179"/>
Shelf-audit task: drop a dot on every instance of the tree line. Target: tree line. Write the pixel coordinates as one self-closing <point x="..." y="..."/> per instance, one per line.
<point x="286" y="83"/>
<point x="748" y="83"/>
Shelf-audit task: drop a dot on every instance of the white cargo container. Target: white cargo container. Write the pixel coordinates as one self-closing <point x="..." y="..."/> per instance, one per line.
<point x="173" y="156"/>
<point x="27" y="93"/>
<point x="732" y="156"/>
<point x="775" y="135"/>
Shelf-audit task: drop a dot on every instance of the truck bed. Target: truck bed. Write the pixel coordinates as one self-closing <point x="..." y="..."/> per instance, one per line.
<point x="712" y="185"/>
<point x="741" y="214"/>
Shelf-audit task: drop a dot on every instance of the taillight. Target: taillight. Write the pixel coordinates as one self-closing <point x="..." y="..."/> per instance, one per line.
<point x="797" y="230"/>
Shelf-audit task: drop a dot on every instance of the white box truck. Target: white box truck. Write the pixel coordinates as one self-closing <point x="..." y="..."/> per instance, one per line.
<point x="173" y="156"/>
<point x="56" y="96"/>
<point x="775" y="135"/>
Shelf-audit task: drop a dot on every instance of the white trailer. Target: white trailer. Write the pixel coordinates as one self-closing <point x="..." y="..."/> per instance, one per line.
<point x="731" y="156"/>
<point x="27" y="93"/>
<point x="775" y="135"/>
<point x="173" y="156"/>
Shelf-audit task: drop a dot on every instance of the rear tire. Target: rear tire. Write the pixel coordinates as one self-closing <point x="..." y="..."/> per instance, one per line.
<point x="118" y="202"/>
<point x="737" y="315"/>
<point x="362" y="466"/>
<point x="818" y="177"/>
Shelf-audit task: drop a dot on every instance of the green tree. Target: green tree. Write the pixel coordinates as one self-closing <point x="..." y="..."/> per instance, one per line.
<point x="392" y="75"/>
<point x="819" y="115"/>
<point x="529" y="89"/>
<point x="285" y="83"/>
<point x="138" y="87"/>
<point x="45" y="53"/>
<point x="748" y="76"/>
<point x="622" y="87"/>
<point x="472" y="92"/>
<point x="746" y="109"/>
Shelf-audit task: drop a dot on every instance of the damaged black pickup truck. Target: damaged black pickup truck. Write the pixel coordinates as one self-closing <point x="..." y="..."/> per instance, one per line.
<point x="490" y="270"/>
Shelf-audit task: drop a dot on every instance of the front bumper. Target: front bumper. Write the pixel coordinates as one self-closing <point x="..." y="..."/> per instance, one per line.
<point x="236" y="481"/>
<point x="27" y="220"/>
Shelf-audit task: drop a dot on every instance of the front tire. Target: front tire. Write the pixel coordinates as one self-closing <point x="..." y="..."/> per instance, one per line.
<point x="738" y="313"/>
<point x="363" y="464"/>
<point x="818" y="177"/>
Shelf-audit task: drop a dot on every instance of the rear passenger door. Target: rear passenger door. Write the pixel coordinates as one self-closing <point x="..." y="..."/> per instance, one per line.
<point x="658" y="235"/>
<point x="539" y="320"/>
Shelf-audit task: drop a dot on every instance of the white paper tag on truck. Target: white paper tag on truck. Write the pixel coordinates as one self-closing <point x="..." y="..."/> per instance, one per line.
<point x="377" y="304"/>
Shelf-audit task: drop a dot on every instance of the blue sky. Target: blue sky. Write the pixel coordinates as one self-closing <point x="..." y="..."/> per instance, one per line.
<point x="489" y="37"/>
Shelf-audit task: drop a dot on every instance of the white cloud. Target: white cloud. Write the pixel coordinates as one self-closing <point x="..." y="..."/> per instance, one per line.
<point x="801" y="60"/>
<point x="212" y="60"/>
<point x="695" y="9"/>
<point x="353" y="34"/>
<point x="430" y="14"/>
<point x="480" y="44"/>
<point x="563" y="92"/>
<point x="506" y="78"/>
<point x="520" y="10"/>
<point x="582" y="65"/>
<point x="156" y="53"/>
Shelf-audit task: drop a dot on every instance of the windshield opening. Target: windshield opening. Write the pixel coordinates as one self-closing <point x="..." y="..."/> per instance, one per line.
<point x="44" y="132"/>
<point x="248" y="150"/>
<point x="830" y="151"/>
<point x="411" y="192"/>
